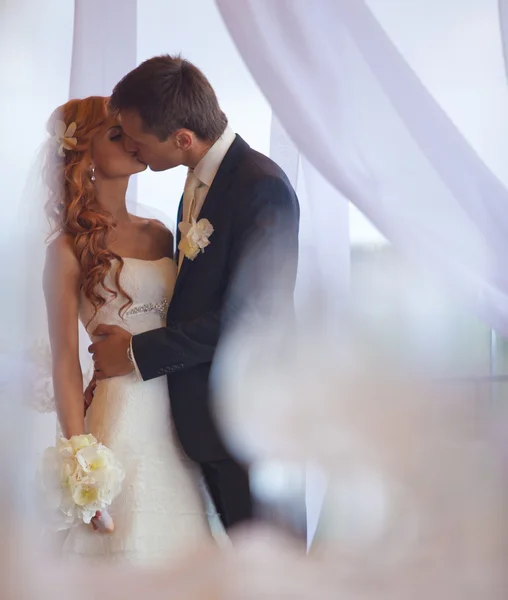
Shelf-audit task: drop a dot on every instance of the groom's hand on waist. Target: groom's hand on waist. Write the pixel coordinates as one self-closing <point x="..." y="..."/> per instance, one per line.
<point x="110" y="354"/>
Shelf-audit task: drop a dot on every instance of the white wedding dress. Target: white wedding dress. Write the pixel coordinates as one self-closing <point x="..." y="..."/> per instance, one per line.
<point x="163" y="509"/>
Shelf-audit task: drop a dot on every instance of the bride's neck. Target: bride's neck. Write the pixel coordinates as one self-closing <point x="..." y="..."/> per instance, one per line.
<point x="111" y="194"/>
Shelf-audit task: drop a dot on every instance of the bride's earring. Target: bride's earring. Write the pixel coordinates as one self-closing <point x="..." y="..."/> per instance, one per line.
<point x="92" y="176"/>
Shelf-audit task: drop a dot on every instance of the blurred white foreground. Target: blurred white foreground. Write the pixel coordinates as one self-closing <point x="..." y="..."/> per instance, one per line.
<point x="417" y="467"/>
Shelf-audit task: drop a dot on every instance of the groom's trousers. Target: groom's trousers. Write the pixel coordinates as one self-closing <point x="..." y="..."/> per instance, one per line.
<point x="228" y="484"/>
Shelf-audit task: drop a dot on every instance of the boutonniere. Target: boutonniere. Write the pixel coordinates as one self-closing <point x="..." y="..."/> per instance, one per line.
<point x="194" y="237"/>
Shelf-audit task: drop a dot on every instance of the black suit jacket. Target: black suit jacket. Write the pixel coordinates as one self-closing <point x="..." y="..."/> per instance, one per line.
<point x="255" y="215"/>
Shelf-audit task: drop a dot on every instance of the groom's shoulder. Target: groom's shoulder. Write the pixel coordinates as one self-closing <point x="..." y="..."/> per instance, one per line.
<point x="257" y="167"/>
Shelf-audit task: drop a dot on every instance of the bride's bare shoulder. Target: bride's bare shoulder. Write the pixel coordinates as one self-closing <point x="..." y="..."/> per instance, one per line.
<point x="159" y="228"/>
<point x="61" y="243"/>
<point x="60" y="252"/>
<point x="158" y="232"/>
<point x="151" y="223"/>
<point x="62" y="272"/>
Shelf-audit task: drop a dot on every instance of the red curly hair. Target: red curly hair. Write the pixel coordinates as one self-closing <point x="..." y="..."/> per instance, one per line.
<point x="72" y="207"/>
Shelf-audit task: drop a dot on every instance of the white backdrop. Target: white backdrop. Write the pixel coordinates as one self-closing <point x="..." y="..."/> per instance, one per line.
<point x="454" y="47"/>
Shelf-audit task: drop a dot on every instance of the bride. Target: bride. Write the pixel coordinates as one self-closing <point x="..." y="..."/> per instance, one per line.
<point x="105" y="265"/>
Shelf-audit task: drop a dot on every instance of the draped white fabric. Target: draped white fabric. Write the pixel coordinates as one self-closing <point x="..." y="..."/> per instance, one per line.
<point x="104" y="45"/>
<point x="104" y="50"/>
<point x="350" y="93"/>
<point x="324" y="218"/>
<point x="36" y="44"/>
<point x="324" y="228"/>
<point x="503" y="21"/>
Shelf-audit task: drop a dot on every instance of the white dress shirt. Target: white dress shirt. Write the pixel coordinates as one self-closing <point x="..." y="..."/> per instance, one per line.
<point x="207" y="168"/>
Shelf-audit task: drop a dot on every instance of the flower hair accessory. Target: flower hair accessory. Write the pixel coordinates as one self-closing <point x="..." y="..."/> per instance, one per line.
<point x="64" y="137"/>
<point x="194" y="237"/>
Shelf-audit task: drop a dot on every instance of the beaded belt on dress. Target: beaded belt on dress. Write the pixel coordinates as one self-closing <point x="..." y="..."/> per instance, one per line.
<point x="161" y="308"/>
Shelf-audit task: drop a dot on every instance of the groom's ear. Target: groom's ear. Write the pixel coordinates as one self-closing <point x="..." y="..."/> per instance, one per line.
<point x="184" y="139"/>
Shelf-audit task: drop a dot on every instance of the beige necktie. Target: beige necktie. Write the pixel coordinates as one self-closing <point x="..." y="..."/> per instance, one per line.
<point x="189" y="200"/>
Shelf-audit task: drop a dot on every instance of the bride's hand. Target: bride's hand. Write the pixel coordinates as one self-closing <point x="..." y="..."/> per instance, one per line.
<point x="89" y="393"/>
<point x="103" y="522"/>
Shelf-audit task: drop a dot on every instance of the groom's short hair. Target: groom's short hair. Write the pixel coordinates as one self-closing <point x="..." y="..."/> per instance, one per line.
<point x="170" y="93"/>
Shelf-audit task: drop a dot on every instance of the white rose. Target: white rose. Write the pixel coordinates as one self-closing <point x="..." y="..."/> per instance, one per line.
<point x="78" y="478"/>
<point x="64" y="447"/>
<point x="93" y="458"/>
<point x="85" y="492"/>
<point x="78" y="442"/>
<point x="69" y="448"/>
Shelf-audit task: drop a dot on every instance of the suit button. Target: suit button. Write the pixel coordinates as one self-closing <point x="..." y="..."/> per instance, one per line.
<point x="180" y="366"/>
<point x="161" y="371"/>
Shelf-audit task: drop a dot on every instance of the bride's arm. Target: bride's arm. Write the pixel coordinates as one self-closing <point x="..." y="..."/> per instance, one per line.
<point x="61" y="289"/>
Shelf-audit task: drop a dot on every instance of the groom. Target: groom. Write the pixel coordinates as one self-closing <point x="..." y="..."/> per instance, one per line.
<point x="238" y="231"/>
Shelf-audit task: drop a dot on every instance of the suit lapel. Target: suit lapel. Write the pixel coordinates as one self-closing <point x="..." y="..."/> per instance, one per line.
<point x="213" y="201"/>
<point x="179" y="217"/>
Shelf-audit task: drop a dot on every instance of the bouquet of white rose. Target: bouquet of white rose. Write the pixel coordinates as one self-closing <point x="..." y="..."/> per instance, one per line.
<point x="80" y="477"/>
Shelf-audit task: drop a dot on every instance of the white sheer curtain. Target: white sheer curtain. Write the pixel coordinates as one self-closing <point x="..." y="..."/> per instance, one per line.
<point x="104" y="45"/>
<point x="357" y="109"/>
<point x="104" y="49"/>
<point x="35" y="45"/>
<point x="503" y="22"/>
<point x="324" y="228"/>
